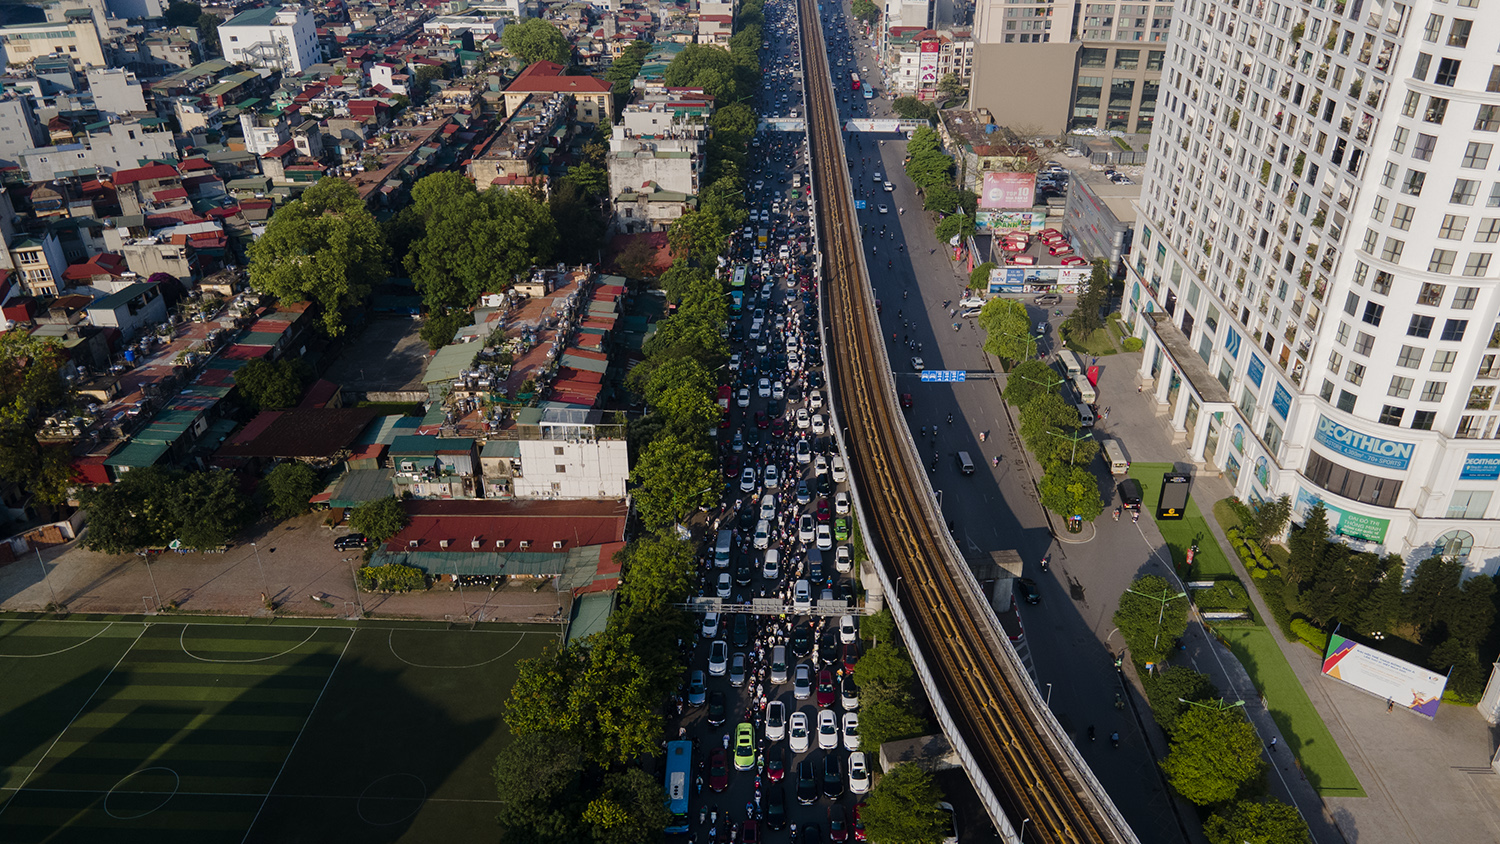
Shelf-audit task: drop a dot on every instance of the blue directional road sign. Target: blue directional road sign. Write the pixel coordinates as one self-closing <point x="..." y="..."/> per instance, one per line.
<point x="859" y="204"/>
<point x="944" y="375"/>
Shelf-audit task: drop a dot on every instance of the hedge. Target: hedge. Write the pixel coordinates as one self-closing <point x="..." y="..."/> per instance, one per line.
<point x="392" y="578"/>
<point x="1225" y="595"/>
<point x="1310" y="635"/>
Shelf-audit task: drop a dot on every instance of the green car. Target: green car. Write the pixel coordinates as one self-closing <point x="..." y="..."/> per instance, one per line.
<point x="744" y="746"/>
<point x="841" y="529"/>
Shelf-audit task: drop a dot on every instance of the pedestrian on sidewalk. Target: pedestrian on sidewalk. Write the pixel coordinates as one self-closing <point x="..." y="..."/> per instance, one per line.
<point x="1273" y="744"/>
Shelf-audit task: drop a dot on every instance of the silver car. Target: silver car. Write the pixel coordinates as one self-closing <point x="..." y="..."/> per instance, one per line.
<point x="801" y="678"/>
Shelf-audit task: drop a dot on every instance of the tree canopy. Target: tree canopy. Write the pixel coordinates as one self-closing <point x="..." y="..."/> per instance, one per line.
<point x="537" y="40"/>
<point x="271" y="386"/>
<point x="1007" y="329"/>
<point x="675" y="478"/>
<point x="1070" y="491"/>
<point x="1029" y="379"/>
<point x="1151" y="617"/>
<point x="1256" y="822"/>
<point x="149" y="507"/>
<point x="1214" y="754"/>
<point x="979" y="277"/>
<point x="903" y="808"/>
<point x="287" y="489"/>
<point x="31" y="388"/>
<point x="380" y="519"/>
<point x="324" y="247"/>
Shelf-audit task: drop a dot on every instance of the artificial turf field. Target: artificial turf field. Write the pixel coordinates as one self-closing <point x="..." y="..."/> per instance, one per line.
<point x="237" y="730"/>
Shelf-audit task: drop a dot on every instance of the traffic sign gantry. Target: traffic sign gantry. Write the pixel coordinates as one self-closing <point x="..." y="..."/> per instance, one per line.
<point x="943" y="375"/>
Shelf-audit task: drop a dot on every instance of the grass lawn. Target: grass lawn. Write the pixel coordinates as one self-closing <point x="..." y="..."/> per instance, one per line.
<point x="1210" y="561"/>
<point x="1322" y="761"/>
<point x="237" y="730"/>
<point x="1098" y="343"/>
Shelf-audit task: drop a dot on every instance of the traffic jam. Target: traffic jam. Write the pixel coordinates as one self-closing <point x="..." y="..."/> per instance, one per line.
<point x="769" y="739"/>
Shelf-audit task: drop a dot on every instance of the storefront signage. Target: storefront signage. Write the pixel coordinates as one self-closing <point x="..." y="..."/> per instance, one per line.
<point x="1342" y="522"/>
<point x="1387" y="454"/>
<point x="1257" y="370"/>
<point x="1232" y="342"/>
<point x="1281" y="400"/>
<point x="1481" y="467"/>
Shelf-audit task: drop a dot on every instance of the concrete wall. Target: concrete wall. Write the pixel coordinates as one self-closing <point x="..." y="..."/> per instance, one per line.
<point x="1044" y="70"/>
<point x="590" y="469"/>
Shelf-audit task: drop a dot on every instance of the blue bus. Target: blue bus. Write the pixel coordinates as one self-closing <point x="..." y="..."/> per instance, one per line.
<point x="869" y="93"/>
<point x="679" y="784"/>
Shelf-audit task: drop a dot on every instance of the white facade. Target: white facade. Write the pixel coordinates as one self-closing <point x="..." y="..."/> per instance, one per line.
<point x="572" y="469"/>
<point x="1318" y="218"/>
<point x="116" y="91"/>
<point x="120" y="146"/>
<point x="263" y="132"/>
<point x="281" y="38"/>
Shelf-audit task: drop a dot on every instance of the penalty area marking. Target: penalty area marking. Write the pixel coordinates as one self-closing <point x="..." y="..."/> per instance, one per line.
<point x="359" y="807"/>
<point x="176" y="784"/>
<point x="182" y="641"/>
<point x="64" y="650"/>
<point x="520" y="634"/>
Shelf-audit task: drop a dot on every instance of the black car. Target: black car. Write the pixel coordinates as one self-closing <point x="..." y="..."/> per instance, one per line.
<point x="1026" y="588"/>
<point x="833" y="775"/>
<point x="809" y="834"/>
<point x="349" y="541"/>
<point x="825" y="484"/>
<point x="744" y="572"/>
<point x="815" y="566"/>
<point x="747" y="517"/>
<point x="775" y="808"/>
<point x="801" y="641"/>
<point x="828" y="646"/>
<point x="740" y="631"/>
<point x="715" y="709"/>
<point x="1130" y="493"/>
<point x="807" y="783"/>
<point x="815" y="379"/>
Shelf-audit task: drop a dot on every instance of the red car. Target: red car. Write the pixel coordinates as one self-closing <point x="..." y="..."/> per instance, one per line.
<point x="859" y="825"/>
<point x="776" y="763"/>
<point x="906" y="401"/>
<point x="824" y="514"/>
<point x="849" y="654"/>
<point x="760" y="419"/>
<point x="718" y="771"/>
<point x="827" y="692"/>
<point x="778" y="427"/>
<point x="838" y="823"/>
<point x="750" y="832"/>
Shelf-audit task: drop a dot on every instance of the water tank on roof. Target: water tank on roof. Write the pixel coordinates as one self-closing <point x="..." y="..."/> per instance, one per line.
<point x="130" y="355"/>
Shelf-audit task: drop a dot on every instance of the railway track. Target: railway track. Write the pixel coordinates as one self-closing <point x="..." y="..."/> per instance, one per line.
<point x="1030" y="765"/>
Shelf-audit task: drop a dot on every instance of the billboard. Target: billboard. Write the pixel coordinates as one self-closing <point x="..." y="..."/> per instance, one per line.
<point x="1008" y="190"/>
<point x="1376" y="451"/>
<point x="1398" y="681"/>
<point x="1039" y="279"/>
<point x="1481" y="467"/>
<point x="927" y="64"/>
<point x="1005" y="222"/>
<point x="1172" y="502"/>
<point x="1342" y="522"/>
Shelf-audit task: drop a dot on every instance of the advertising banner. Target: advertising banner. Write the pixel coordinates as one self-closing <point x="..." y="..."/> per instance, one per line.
<point x="1481" y="467"/>
<point x="1010" y="221"/>
<point x="1398" y="681"/>
<point x="1257" y="370"/>
<point x="1008" y="190"/>
<point x="1387" y="454"/>
<point x="1281" y="400"/>
<point x="1038" y="279"/>
<point x="1232" y="342"/>
<point x="1342" y="522"/>
<point x="927" y="64"/>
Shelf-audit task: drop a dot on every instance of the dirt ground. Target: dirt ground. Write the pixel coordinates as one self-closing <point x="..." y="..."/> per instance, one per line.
<point x="287" y="563"/>
<point x="386" y="356"/>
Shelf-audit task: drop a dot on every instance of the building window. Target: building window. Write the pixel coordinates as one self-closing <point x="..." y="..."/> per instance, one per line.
<point x="1373" y="313"/>
<point x="1464" y="298"/>
<point x="1346" y="401"/>
<point x="1420" y="326"/>
<point x="1433" y="29"/>
<point x="1494" y="84"/>
<point x="1488" y="119"/>
<point x="1453" y="329"/>
<point x="1434" y="391"/>
<point x="1469" y="504"/>
<point x="560" y="469"/>
<point x="1458" y="32"/>
<point x="1468" y="428"/>
<point x="1403" y="217"/>
<point x="1382" y="282"/>
<point x="1410" y="357"/>
<point x="1400" y="387"/>
<point x="1272" y="437"/>
<point x="1419" y="70"/>
<point x="1437" y="109"/>
<point x="1480" y="398"/>
<point x="1422" y="149"/>
<point x="1351" y="303"/>
<point x="1478" y="264"/>
<point x="1489" y="228"/>
<point x="1447" y="72"/>
<point x="1391" y="415"/>
<point x="1422" y="420"/>
<point x="1452" y="227"/>
<point x="1412" y="185"/>
<point x="1442" y="261"/>
<point x="1388" y="177"/>
<point x="1442" y="361"/>
<point x="1464" y="191"/>
<point x="1342" y="335"/>
<point x="1477" y="155"/>
<point x="1356" y="486"/>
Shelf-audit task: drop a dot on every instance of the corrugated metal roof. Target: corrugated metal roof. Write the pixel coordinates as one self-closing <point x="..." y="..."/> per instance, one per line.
<point x="450" y="361"/>
<point x="137" y="455"/>
<point x="590" y="615"/>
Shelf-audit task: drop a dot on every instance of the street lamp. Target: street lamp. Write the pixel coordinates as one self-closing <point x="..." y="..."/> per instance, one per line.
<point x="1049" y="694"/>
<point x="264" y="584"/>
<point x="50" y="587"/>
<point x="1163" y="600"/>
<point x="1021" y="836"/>
<point x="1223" y="705"/>
<point x="1075" y="439"/>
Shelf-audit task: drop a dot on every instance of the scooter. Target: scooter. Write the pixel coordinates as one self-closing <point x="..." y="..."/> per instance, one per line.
<point x="1114" y="739"/>
<point x="1046" y="562"/>
<point x="1091" y="738"/>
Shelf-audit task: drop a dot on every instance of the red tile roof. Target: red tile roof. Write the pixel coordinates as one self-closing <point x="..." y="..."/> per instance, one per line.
<point x="140" y="174"/>
<point x="576" y="524"/>
<point x="546" y="77"/>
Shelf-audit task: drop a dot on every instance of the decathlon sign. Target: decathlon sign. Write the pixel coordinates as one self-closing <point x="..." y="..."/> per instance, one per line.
<point x="1387" y="454"/>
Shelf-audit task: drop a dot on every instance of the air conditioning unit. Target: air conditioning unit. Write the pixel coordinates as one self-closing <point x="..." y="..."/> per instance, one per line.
<point x="475" y="544"/>
<point x="411" y="543"/>
<point x="443" y="543"/>
<point x="499" y="543"/>
<point x="557" y="544"/>
<point x="525" y="543"/>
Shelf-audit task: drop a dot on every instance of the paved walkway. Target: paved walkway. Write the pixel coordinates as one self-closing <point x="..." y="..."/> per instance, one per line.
<point x="1425" y="781"/>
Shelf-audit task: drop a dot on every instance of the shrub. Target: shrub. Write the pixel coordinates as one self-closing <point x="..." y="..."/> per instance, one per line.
<point x="1132" y="344"/>
<point x="1310" y="635"/>
<point x="1225" y="595"/>
<point x="1272" y="591"/>
<point x="392" y="578"/>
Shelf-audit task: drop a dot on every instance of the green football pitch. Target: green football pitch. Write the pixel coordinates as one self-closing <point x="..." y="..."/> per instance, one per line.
<point x="236" y="730"/>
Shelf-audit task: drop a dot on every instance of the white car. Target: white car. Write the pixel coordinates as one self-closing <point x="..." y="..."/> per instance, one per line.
<point x="820" y="465"/>
<point x="840" y="470"/>
<point x="724" y="585"/>
<point x="804" y="452"/>
<point x="841" y="503"/>
<point x="794" y="362"/>
<point x="825" y="538"/>
<point x="767" y="507"/>
<point x="718" y="658"/>
<point x="797" y="734"/>
<point x="847" y="631"/>
<point x="801" y="681"/>
<point x="762" y="535"/>
<point x="802" y="596"/>
<point x="878" y="177"/>
<point x="881" y="208"/>
<point x="859" y="773"/>
<point x="778" y="390"/>
<point x="747" y="479"/>
<point x="815" y="401"/>
<point x="889" y="187"/>
<point x="734" y="362"/>
<point x="743" y="400"/>
<point x="843" y="561"/>
<point x="828" y="730"/>
<point x="916" y="363"/>
<point x="850" y="731"/>
<point x="819" y="424"/>
<point x="770" y="568"/>
<point x="806" y="532"/>
<point x="710" y="625"/>
<point x="848" y="693"/>
<point x="763" y="388"/>
<point x="775" y="721"/>
<point x="772" y="477"/>
<point x="804" y="419"/>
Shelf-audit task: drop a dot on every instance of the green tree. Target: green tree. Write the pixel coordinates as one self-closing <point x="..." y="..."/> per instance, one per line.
<point x="623" y="71"/>
<point x="979" y="278"/>
<point x="132" y="513"/>
<point x="629" y="810"/>
<point x="1265" y="521"/>
<point x="1466" y="677"/>
<point x="681" y="277"/>
<point x="576" y="213"/>
<point x="438" y="329"/>
<point x="903" y="807"/>
<point x="422" y="79"/>
<point x="707" y="67"/>
<point x="1470" y="617"/>
<point x="1308" y="545"/>
<point x="539" y="778"/>
<point x="735" y="123"/>
<point x="942" y="199"/>
<point x="209" y="508"/>
<point x="929" y="170"/>
<point x="697" y="236"/>
<point x="31" y="388"/>
<point x="865" y="10"/>
<point x="1070" y="491"/>
<point x="685" y="334"/>
<point x="1086" y="317"/>
<point x="1213" y="755"/>
<point x="960" y="226"/>
<point x="591" y="179"/>
<point x="924" y="139"/>
<point x="1048" y="411"/>
<point x="1254" y="822"/>
<point x="1007" y="328"/>
<point x="271" y="386"/>
<point x="324" y="247"/>
<point x="1029" y="379"/>
<point x="950" y="85"/>
<point x="674" y="478"/>
<point x="1381" y="609"/>
<point x="657" y="571"/>
<point x="680" y="390"/>
<point x="1435" y="585"/>
<point x="1166" y="691"/>
<point x="537" y="40"/>
<point x="878" y="628"/>
<point x="287" y="489"/>
<point x="912" y="108"/>
<point x="208" y="34"/>
<point x="884" y="672"/>
<point x="890" y="719"/>
<point x="380" y="519"/>
<point x="1151" y="618"/>
<point x="179" y="13"/>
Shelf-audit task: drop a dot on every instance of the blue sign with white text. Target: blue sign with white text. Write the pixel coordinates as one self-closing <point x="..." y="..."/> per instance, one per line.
<point x="1282" y="401"/>
<point x="1387" y="454"/>
<point x="1257" y="370"/>
<point x="944" y="375"/>
<point x="1481" y="467"/>
<point x="1232" y="342"/>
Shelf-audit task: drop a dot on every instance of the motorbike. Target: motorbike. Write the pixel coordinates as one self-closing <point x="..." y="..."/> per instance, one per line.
<point x="1114" y="739"/>
<point x="1046" y="562"/>
<point x="1091" y="732"/>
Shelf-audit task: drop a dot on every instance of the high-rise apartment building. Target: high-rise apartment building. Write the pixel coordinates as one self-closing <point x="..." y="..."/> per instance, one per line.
<point x="1313" y="270"/>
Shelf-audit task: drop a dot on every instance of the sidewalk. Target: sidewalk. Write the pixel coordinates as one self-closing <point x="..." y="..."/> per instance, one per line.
<point x="1425" y="781"/>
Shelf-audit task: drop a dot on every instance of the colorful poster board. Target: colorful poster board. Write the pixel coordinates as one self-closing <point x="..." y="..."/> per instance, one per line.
<point x="1380" y="674"/>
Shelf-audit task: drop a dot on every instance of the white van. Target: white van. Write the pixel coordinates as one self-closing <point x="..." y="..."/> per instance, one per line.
<point x="722" y="548"/>
<point x="1085" y="389"/>
<point x="1070" y="363"/>
<point x="1085" y="415"/>
<point x="1114" y="455"/>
